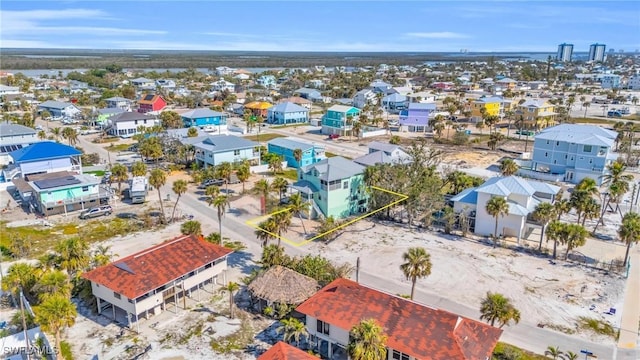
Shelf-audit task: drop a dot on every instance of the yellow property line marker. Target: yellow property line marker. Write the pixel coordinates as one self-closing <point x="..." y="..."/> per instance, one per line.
<point x="254" y="223"/>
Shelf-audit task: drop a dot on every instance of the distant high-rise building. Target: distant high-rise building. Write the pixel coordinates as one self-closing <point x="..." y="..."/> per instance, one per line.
<point x="596" y="52"/>
<point x="565" y="51"/>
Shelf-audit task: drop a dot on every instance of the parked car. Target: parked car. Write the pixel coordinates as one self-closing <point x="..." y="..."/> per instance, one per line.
<point x="614" y="113"/>
<point x="333" y="136"/>
<point x="217" y="182"/>
<point x="102" y="210"/>
<point x="525" y="132"/>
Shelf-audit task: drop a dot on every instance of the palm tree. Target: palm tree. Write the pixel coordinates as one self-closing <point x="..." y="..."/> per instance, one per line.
<point x="53" y="283"/>
<point x="42" y="135"/>
<point x="119" y="174"/>
<point x="553" y="351"/>
<point x="54" y="314"/>
<point x="586" y="106"/>
<point x="73" y="255"/>
<point x="191" y="227"/>
<point x="367" y="341"/>
<point x="292" y="328"/>
<point x="355" y="129"/>
<point x="267" y="230"/>
<point x="280" y="185"/>
<point x="179" y="187"/>
<point x="543" y="213"/>
<point x="262" y="187"/>
<point x="508" y="167"/>
<point x="297" y="205"/>
<point x="220" y="203"/>
<point x="496" y="307"/>
<point x="570" y="355"/>
<point x="629" y="232"/>
<point x="211" y="192"/>
<point x="275" y="165"/>
<point x="297" y="154"/>
<point x="56" y="132"/>
<point x="561" y="207"/>
<point x="573" y="236"/>
<point x="231" y="287"/>
<point x="71" y="135"/>
<point x="243" y="175"/>
<point x="417" y="265"/>
<point x="225" y="170"/>
<point x="157" y="179"/>
<point x="101" y="256"/>
<point x="282" y="221"/>
<point x="19" y="276"/>
<point x="273" y="255"/>
<point x="497" y="206"/>
<point x="138" y="168"/>
<point x="554" y="232"/>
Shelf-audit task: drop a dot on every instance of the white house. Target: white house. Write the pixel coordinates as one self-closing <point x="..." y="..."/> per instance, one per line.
<point x="46" y="157"/>
<point x="59" y="110"/>
<point x="634" y="82"/>
<point x="157" y="278"/>
<point x="222" y="85"/>
<point x="143" y="83"/>
<point x="9" y="90"/>
<point x="14" y="137"/>
<point x="127" y="124"/>
<point x="216" y="149"/>
<point x="363" y="97"/>
<point x="166" y="84"/>
<point x="224" y="70"/>
<point x="117" y="102"/>
<point x="522" y="197"/>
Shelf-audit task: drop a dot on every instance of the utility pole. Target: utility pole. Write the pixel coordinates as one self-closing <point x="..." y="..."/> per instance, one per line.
<point x="24" y="327"/>
<point x="358" y="269"/>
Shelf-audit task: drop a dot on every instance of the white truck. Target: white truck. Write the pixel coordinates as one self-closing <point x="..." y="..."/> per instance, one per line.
<point x="138" y="189"/>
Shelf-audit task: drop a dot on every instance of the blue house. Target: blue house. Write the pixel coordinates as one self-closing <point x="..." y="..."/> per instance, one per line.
<point x="416" y="117"/>
<point x="216" y="149"/>
<point x="395" y="103"/>
<point x="268" y="81"/>
<point x="205" y="119"/>
<point x="572" y="152"/>
<point x="286" y="146"/>
<point x="309" y="94"/>
<point x="46" y="157"/>
<point x="287" y="113"/>
<point x="339" y="119"/>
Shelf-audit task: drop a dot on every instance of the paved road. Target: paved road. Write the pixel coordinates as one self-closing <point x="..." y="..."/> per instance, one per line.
<point x="631" y="307"/>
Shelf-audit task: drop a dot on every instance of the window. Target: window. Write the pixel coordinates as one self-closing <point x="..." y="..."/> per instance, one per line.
<point x="557" y="143"/>
<point x="116" y="295"/>
<point x="236" y="152"/>
<point x="566" y="156"/>
<point x="587" y="148"/>
<point x="345" y="185"/>
<point x="546" y="154"/>
<point x="397" y="355"/>
<point x="322" y="327"/>
<point x="85" y="188"/>
<point x="547" y="142"/>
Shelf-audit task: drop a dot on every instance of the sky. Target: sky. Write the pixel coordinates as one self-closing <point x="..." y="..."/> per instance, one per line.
<point x="413" y="26"/>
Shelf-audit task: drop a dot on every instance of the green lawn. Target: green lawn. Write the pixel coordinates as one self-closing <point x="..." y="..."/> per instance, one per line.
<point x="264" y="137"/>
<point x="290" y="174"/>
<point x="118" y="147"/>
<point x="595" y="121"/>
<point x="504" y="351"/>
<point x="289" y="126"/>
<point x="95" y="172"/>
<point x="330" y="154"/>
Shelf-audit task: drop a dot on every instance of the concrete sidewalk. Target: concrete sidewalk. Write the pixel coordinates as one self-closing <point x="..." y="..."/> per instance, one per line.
<point x="631" y="308"/>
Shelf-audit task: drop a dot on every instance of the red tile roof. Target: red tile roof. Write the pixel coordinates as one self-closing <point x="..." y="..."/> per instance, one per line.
<point x="413" y="329"/>
<point x="137" y="274"/>
<point x="282" y="351"/>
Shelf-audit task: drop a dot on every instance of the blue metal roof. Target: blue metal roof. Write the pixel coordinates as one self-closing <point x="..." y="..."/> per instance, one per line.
<point x="287" y="107"/>
<point x="43" y="151"/>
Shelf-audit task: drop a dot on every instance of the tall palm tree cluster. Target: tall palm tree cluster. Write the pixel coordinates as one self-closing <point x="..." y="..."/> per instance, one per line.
<point x="49" y="284"/>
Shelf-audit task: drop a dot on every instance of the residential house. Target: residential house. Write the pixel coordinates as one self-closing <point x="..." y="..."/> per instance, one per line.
<point x="75" y="86"/>
<point x="298" y="101"/>
<point x="285" y="147"/>
<point x="224" y="71"/>
<point x="334" y="187"/>
<point x="166" y="84"/>
<point x="242" y="77"/>
<point x="216" y="149"/>
<point x="395" y="103"/>
<point x="268" y="81"/>
<point x="14" y="137"/>
<point x="62" y="192"/>
<point x="222" y="85"/>
<point x="507" y="83"/>
<point x="309" y="94"/>
<point x="339" y="119"/>
<point x="443" y="85"/>
<point x="128" y="124"/>
<point x="287" y="113"/>
<point x="143" y="83"/>
<point x="364" y="97"/>
<point x="383" y="153"/>
<point x="151" y="102"/>
<point x="9" y="90"/>
<point x="206" y="119"/>
<point x="259" y="108"/>
<point x="422" y="97"/>
<point x="490" y="105"/>
<point x="118" y="102"/>
<point x="284" y="351"/>
<point x="102" y="115"/>
<point x="414" y="331"/>
<point x="537" y="113"/>
<point x="610" y="81"/>
<point x="522" y="197"/>
<point x="316" y="83"/>
<point x="162" y="276"/>
<point x="634" y="82"/>
<point x="45" y="157"/>
<point x="416" y="116"/>
<point x="573" y="152"/>
<point x="59" y="110"/>
<point x="380" y="87"/>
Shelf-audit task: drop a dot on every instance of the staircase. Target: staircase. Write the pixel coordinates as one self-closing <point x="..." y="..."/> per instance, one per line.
<point x="316" y="208"/>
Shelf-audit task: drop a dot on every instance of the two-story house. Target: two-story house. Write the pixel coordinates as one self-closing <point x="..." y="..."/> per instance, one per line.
<point x="537" y="113"/>
<point x="46" y="157"/>
<point x="143" y="83"/>
<point x="416" y="116"/>
<point x="339" y="119"/>
<point x="150" y="102"/>
<point x="209" y="120"/>
<point x="14" y="137"/>
<point x="522" y="197"/>
<point x="287" y="113"/>
<point x="259" y="108"/>
<point x="489" y="105"/>
<point x="59" y="110"/>
<point x="381" y="87"/>
<point x="216" y="149"/>
<point x="610" y="81"/>
<point x="573" y="152"/>
<point x="298" y="101"/>
<point x="334" y="186"/>
<point x="268" y="81"/>
<point x="414" y="331"/>
<point x="395" y="103"/>
<point x="383" y="153"/>
<point x="364" y="97"/>
<point x="284" y="351"/>
<point x="166" y="84"/>
<point x="118" y="102"/>
<point x="158" y="278"/>
<point x="128" y="124"/>
<point x="222" y="85"/>
<point x="309" y="94"/>
<point x="285" y="148"/>
<point x="102" y="116"/>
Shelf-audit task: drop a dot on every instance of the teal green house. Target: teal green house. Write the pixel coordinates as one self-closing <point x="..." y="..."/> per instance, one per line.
<point x="339" y="119"/>
<point x="334" y="187"/>
<point x="64" y="192"/>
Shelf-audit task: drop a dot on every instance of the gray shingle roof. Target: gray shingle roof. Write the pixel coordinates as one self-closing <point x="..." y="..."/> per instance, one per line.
<point x="118" y="98"/>
<point x="290" y="143"/>
<point x="224" y="143"/>
<point x="377" y="157"/>
<point x="51" y="104"/>
<point x="335" y="168"/>
<point x="130" y="116"/>
<point x="380" y="146"/>
<point x="201" y="113"/>
<point x="15" y="130"/>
